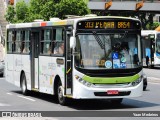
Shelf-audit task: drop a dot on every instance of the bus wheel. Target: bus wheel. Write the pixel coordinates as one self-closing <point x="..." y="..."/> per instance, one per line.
<point x="23" y="84"/>
<point x="62" y="100"/>
<point x="117" y="101"/>
<point x="1" y="75"/>
<point x="151" y="66"/>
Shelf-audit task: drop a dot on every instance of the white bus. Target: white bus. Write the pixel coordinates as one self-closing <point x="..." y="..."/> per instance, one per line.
<point x="101" y="58"/>
<point x="151" y="47"/>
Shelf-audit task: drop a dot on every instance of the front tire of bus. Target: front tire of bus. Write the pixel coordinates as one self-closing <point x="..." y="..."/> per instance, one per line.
<point x="24" y="85"/>
<point x="62" y="100"/>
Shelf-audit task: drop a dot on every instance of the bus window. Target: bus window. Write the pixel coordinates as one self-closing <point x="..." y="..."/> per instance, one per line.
<point x="26" y="42"/>
<point x="59" y="35"/>
<point x="59" y="49"/>
<point x="59" y="42"/>
<point x="46" y="42"/>
<point x="9" y="41"/>
<point x="18" y="41"/>
<point x="13" y="41"/>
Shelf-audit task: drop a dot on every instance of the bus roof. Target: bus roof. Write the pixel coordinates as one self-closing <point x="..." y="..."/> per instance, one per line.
<point x="69" y="21"/>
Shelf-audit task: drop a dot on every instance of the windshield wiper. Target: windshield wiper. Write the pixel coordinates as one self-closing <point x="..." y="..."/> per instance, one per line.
<point x="100" y="42"/>
<point x="102" y="45"/>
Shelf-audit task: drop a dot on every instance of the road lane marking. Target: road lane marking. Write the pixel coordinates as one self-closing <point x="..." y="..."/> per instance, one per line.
<point x="154" y="83"/>
<point x="9" y="94"/>
<point x="154" y="78"/>
<point x="3" y="104"/>
<point x="26" y="98"/>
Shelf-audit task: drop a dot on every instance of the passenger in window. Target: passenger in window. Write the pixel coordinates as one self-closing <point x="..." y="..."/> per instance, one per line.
<point x="117" y="47"/>
<point x="147" y="60"/>
<point x="49" y="50"/>
<point x="19" y="49"/>
<point x="135" y="59"/>
<point x="25" y="50"/>
<point x="124" y="49"/>
<point x="60" y="49"/>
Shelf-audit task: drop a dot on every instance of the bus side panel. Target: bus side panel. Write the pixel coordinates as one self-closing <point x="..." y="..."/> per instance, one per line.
<point x="48" y="69"/>
<point x="58" y="69"/>
<point x="9" y="68"/>
<point x="17" y="68"/>
<point x="44" y="74"/>
<point x="26" y="67"/>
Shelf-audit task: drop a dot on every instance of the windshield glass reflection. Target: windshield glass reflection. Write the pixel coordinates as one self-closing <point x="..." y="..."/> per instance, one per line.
<point x="107" y="51"/>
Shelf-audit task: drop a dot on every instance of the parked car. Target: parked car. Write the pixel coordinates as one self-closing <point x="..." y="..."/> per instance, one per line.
<point x="2" y="68"/>
<point x="144" y="82"/>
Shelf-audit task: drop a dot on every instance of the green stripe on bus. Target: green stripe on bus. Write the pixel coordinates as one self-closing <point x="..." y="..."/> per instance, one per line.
<point x="111" y="80"/>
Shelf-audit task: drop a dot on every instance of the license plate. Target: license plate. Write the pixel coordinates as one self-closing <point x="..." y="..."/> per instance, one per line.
<point x="112" y="92"/>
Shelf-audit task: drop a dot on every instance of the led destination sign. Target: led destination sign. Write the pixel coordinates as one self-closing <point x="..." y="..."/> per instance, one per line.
<point x="91" y="25"/>
<point x="101" y="24"/>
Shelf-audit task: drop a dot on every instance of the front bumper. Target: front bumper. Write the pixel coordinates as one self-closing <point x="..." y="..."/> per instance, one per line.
<point x="83" y="92"/>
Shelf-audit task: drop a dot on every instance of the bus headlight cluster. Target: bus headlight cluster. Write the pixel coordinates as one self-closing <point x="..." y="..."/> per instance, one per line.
<point x="134" y="83"/>
<point x="88" y="84"/>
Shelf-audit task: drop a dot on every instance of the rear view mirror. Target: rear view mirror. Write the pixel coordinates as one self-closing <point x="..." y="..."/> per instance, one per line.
<point x="72" y="42"/>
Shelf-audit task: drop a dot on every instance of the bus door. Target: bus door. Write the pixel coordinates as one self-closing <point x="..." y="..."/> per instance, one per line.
<point x="68" y="68"/>
<point x="35" y="35"/>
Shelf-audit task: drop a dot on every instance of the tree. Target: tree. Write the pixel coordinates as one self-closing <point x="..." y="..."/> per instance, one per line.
<point x="21" y="11"/>
<point x="48" y="10"/>
<point x="71" y="7"/>
<point x="45" y="9"/>
<point x="153" y="27"/>
<point x="35" y="8"/>
<point x="10" y="14"/>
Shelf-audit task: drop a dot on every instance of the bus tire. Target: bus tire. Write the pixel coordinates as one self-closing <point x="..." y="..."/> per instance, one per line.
<point x="24" y="85"/>
<point x="151" y="66"/>
<point x="61" y="98"/>
<point x="2" y="75"/>
<point x="117" y="101"/>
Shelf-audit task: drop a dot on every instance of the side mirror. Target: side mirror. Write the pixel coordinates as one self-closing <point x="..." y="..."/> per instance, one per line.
<point x="72" y="42"/>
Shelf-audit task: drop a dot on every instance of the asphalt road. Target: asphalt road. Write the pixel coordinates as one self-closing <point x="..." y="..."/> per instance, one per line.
<point x="11" y="99"/>
<point x="153" y="75"/>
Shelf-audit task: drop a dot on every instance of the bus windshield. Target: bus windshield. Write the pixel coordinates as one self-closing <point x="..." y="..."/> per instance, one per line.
<point x="107" y="51"/>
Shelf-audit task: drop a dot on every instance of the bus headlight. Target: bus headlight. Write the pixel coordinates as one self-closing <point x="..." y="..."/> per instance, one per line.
<point x="134" y="83"/>
<point x="88" y="84"/>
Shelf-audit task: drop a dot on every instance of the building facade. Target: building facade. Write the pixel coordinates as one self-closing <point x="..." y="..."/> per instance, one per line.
<point x="144" y="5"/>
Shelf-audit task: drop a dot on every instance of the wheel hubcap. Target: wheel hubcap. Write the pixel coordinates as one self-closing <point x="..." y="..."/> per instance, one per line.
<point x="60" y="94"/>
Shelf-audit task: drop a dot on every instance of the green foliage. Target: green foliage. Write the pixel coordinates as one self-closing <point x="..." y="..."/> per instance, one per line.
<point x="71" y="7"/>
<point x="21" y="11"/>
<point x="45" y="9"/>
<point x="152" y="26"/>
<point x="10" y="13"/>
<point x="36" y="6"/>
<point x="48" y="10"/>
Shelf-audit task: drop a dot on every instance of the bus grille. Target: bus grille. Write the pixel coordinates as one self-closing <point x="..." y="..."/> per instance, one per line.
<point x="120" y="85"/>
